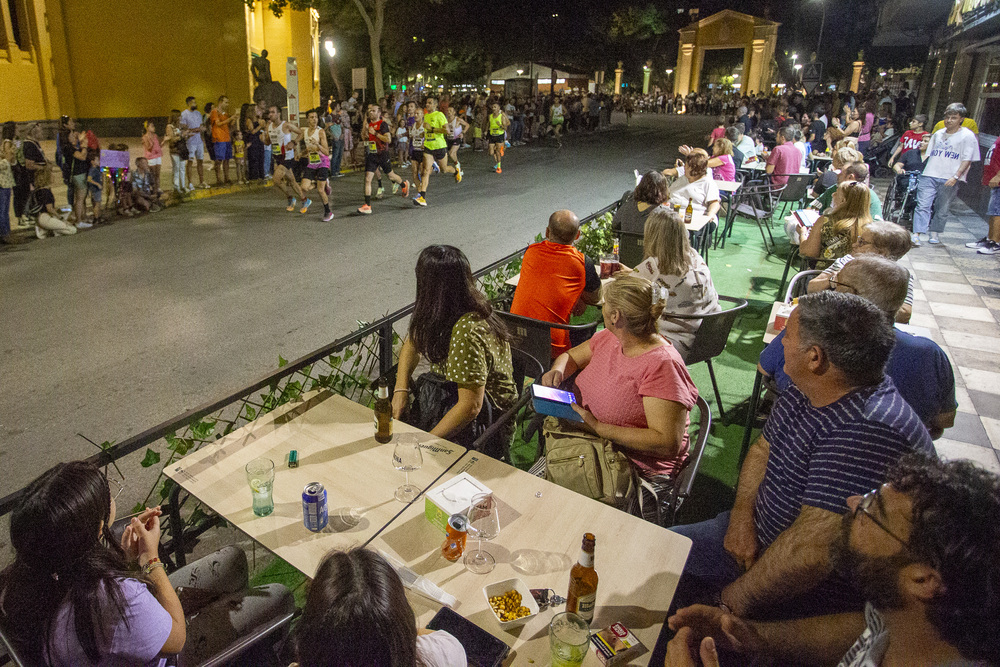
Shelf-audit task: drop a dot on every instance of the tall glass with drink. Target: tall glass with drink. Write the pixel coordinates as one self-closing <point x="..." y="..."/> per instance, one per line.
<point x="260" y="476"/>
<point x="569" y="640"/>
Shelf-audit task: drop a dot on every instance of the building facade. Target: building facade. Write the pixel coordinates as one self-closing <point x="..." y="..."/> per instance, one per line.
<point x="120" y="60"/>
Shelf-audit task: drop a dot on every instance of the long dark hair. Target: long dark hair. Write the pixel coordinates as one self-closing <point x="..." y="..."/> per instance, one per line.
<point x="446" y="291"/>
<point x="59" y="557"/>
<point x="356" y="615"/>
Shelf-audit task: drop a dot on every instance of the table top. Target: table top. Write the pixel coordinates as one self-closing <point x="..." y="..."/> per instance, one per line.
<point x="821" y="156"/>
<point x="770" y="333"/>
<point x="728" y="186"/>
<point x="541" y="528"/>
<point x="759" y="165"/>
<point x="334" y="437"/>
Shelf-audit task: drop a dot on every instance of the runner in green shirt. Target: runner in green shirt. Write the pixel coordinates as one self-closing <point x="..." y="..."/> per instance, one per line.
<point x="435" y="148"/>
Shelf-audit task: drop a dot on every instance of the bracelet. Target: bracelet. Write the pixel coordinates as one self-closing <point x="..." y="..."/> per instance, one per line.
<point x="399" y="390"/>
<point x="153" y="563"/>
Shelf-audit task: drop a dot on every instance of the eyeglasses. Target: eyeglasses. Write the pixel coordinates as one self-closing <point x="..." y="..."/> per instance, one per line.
<point x="116" y="488"/>
<point x="834" y="284"/>
<point x="866" y="502"/>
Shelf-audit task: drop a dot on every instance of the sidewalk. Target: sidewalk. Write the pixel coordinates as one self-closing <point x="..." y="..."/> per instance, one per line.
<point x="958" y="299"/>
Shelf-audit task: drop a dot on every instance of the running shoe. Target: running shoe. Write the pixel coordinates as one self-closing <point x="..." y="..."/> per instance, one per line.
<point x="437" y="169"/>
<point x="506" y="144"/>
<point x="934" y="240"/>
<point x="329" y="216"/>
<point x="915" y="240"/>
<point x="405" y="190"/>
<point x="420" y="201"/>
<point x="991" y="248"/>
<point x="458" y="173"/>
<point x="204" y="186"/>
<point x="190" y="187"/>
<point x="305" y="205"/>
<point x="499" y="170"/>
<point x="395" y="188"/>
<point x="380" y="193"/>
<point x="981" y="243"/>
<point x="365" y="210"/>
<point x="291" y="205"/>
<point x="84" y="225"/>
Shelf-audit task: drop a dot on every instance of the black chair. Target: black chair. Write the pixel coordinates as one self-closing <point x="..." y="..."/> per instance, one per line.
<point x="711" y="338"/>
<point x="680" y="487"/>
<point x="630" y="248"/>
<point x="758" y="202"/>
<point x="796" y="190"/>
<point x="534" y="337"/>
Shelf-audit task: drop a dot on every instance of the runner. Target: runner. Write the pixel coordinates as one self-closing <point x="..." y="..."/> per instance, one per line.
<point x="318" y="168"/>
<point x="456" y="130"/>
<point x="283" y="137"/>
<point x="557" y="115"/>
<point x="435" y="148"/>
<point x="378" y="156"/>
<point x="416" y="132"/>
<point x="498" y="131"/>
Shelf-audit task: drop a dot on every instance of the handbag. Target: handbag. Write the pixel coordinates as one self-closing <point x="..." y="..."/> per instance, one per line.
<point x="433" y="396"/>
<point x="587" y="464"/>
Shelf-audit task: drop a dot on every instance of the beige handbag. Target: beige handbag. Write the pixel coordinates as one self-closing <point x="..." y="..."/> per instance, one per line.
<point x="587" y="464"/>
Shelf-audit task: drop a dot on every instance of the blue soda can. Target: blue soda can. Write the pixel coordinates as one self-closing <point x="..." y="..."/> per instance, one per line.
<point x="314" y="508"/>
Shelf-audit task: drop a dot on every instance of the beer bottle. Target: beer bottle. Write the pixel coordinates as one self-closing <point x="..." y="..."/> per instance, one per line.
<point x="689" y="212"/>
<point x="582" y="593"/>
<point x="383" y="414"/>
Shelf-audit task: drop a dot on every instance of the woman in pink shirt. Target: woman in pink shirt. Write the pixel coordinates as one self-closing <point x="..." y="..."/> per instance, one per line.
<point x="632" y="383"/>
<point x="153" y="152"/>
<point x="867" y="123"/>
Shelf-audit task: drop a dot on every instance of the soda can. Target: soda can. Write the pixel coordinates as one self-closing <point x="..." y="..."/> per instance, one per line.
<point x="314" y="508"/>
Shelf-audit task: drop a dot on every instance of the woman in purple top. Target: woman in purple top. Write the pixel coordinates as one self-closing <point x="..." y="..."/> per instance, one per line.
<point x="868" y="122"/>
<point x="69" y="597"/>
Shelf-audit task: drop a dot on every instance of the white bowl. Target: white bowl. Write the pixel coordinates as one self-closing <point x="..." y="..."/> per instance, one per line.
<point x="527" y="600"/>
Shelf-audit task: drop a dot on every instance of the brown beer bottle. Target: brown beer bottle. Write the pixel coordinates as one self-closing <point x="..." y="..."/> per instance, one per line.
<point x="383" y="415"/>
<point x="689" y="212"/>
<point x="582" y="593"/>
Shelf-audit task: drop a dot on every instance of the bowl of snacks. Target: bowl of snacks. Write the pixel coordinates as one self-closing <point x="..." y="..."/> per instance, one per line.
<point x="511" y="602"/>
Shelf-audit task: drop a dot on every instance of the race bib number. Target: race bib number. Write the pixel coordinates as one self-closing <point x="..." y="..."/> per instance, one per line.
<point x="373" y="147"/>
<point x="276" y="148"/>
<point x="313" y="157"/>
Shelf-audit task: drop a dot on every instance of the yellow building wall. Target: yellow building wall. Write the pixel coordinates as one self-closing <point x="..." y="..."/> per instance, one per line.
<point x="128" y="59"/>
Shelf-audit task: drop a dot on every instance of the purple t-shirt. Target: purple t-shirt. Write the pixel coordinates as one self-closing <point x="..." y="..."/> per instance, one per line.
<point x="137" y="644"/>
<point x="786" y="159"/>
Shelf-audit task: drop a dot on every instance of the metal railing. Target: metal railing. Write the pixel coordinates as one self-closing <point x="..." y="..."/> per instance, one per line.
<point x="348" y="366"/>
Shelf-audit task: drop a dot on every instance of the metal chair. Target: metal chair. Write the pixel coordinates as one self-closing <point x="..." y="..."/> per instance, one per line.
<point x="758" y="202"/>
<point x="534" y="337"/>
<point x="711" y="338"/>
<point x="630" y="248"/>
<point x="683" y="482"/>
<point x="799" y="284"/>
<point x="796" y="190"/>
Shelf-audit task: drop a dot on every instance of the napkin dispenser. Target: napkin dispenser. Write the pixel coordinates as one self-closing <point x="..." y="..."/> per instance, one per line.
<point x="451" y="497"/>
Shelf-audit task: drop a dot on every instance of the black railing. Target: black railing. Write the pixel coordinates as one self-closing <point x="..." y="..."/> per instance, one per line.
<point x="347" y="366"/>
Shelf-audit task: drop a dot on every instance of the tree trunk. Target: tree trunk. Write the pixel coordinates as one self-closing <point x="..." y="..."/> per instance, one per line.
<point x="374" y="25"/>
<point x="336" y="80"/>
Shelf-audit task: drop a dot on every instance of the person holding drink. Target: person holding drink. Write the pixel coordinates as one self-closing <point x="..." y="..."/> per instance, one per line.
<point x="632" y="386"/>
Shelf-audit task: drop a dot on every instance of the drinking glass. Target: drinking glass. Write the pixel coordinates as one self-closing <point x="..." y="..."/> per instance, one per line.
<point x="407" y="457"/>
<point x="484" y="524"/>
<point x="569" y="639"/>
<point x="260" y="475"/>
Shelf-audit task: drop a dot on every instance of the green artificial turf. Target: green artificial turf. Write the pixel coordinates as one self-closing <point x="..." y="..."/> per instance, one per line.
<point x="741" y="270"/>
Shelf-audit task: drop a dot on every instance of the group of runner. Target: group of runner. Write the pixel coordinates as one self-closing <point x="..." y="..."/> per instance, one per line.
<point x="431" y="138"/>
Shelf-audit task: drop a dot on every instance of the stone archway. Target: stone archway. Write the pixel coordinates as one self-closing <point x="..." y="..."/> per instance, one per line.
<point x="727" y="29"/>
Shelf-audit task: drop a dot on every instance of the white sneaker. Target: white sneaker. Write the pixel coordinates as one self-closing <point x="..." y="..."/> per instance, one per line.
<point x="41" y="233"/>
<point x="915" y="239"/>
<point x="934" y="240"/>
<point x="84" y="225"/>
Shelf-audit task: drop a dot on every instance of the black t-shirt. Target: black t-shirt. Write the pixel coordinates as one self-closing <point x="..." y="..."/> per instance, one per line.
<point x="911" y="160"/>
<point x="818" y="129"/>
<point x="593" y="278"/>
<point x="32" y="151"/>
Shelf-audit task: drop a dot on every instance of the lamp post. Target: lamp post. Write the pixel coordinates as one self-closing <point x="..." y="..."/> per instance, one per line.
<point x="822" y="23"/>
<point x="331" y="51"/>
<point x="669" y="74"/>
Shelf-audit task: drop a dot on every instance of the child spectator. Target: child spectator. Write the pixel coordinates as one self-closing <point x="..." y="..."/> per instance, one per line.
<point x="239" y="156"/>
<point x="143" y="197"/>
<point x="7" y="159"/>
<point x="95" y="185"/>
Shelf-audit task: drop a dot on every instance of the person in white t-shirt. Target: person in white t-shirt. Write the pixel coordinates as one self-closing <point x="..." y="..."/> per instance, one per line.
<point x="356" y="613"/>
<point x="695" y="185"/>
<point x="949" y="154"/>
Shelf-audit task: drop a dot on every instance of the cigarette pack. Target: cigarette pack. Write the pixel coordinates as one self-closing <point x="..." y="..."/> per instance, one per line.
<point x="452" y="497"/>
<point x="616" y="645"/>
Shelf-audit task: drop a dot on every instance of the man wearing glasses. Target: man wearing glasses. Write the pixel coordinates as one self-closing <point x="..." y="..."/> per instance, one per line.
<point x="922" y="549"/>
<point x="833" y="434"/>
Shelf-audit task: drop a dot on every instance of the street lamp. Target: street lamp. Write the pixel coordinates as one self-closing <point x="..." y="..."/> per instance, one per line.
<point x="328" y="44"/>
<point x="822" y="22"/>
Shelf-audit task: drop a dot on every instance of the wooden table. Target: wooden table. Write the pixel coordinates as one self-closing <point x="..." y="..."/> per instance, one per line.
<point x="335" y="441"/>
<point x="541" y="528"/>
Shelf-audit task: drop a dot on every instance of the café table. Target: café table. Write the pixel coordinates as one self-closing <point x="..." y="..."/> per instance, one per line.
<point x="334" y="438"/>
<point x="541" y="530"/>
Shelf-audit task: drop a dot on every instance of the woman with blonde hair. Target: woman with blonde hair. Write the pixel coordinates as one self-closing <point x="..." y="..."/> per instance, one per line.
<point x="632" y="387"/>
<point x="694" y="186"/>
<point x="833" y="235"/>
<point x="842" y="156"/>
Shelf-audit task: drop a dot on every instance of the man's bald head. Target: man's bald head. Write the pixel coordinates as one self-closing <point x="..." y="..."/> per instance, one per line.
<point x="564" y="227"/>
<point x="878" y="279"/>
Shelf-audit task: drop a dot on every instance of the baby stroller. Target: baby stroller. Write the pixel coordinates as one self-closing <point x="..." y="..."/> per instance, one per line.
<point x="901" y="198"/>
<point x="877" y="158"/>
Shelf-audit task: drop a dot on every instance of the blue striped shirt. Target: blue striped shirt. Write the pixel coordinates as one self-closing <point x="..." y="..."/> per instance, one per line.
<point x="821" y="456"/>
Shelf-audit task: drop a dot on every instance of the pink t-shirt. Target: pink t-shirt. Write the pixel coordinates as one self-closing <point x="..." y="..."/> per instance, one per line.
<point x="727" y="172"/>
<point x="786" y="159"/>
<point x="717" y="133"/>
<point x="612" y="387"/>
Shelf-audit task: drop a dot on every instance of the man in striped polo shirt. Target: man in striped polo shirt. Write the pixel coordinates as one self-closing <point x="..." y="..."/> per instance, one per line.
<point x="833" y="434"/>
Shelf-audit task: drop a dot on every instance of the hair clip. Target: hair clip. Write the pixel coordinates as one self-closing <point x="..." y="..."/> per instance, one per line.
<point x="659" y="294"/>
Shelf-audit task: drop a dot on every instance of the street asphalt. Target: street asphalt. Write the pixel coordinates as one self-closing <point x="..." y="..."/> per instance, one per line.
<point x="112" y="331"/>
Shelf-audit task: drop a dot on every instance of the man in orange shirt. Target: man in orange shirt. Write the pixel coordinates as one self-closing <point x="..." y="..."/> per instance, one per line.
<point x="220" y="122"/>
<point x="556" y="279"/>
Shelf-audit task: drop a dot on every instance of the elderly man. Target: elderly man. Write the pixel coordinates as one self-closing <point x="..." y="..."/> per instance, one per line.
<point x="949" y="154"/>
<point x="833" y="434"/>
<point x="922" y="550"/>
<point x="556" y="279"/>
<point x="918" y="366"/>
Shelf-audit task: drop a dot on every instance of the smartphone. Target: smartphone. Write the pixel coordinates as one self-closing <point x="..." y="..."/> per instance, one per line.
<point x="554" y="402"/>
<point x="481" y="648"/>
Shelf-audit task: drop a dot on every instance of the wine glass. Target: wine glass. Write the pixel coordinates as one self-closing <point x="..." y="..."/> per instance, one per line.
<point x="407" y="457"/>
<point x="484" y="523"/>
